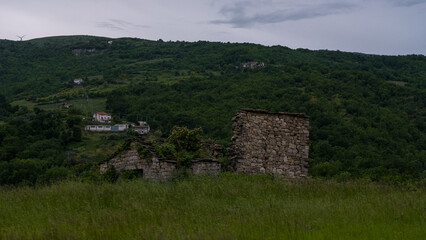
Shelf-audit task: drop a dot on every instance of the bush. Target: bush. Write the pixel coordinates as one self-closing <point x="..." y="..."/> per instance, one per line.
<point x="184" y="158"/>
<point x="165" y="149"/>
<point x="111" y="175"/>
<point x="144" y="153"/>
<point x="53" y="174"/>
<point x="185" y="139"/>
<point x="130" y="174"/>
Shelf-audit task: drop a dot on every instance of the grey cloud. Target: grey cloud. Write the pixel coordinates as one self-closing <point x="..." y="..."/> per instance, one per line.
<point x="110" y="26"/>
<point x="119" y="25"/>
<point x="237" y="15"/>
<point x="407" y="3"/>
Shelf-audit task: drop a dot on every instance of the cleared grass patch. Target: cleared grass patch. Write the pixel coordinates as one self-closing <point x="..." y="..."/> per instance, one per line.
<point x="399" y="83"/>
<point x="224" y="207"/>
<point x="88" y="107"/>
<point x="24" y="103"/>
<point x="96" y="146"/>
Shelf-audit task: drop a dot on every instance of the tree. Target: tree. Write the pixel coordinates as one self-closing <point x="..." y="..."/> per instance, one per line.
<point x="185" y="139"/>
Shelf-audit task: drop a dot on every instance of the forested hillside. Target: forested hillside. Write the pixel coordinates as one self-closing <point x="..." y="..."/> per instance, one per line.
<point x="367" y="112"/>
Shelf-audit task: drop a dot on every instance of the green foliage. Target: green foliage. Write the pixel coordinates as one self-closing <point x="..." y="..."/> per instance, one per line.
<point x="166" y="149"/>
<point x="53" y="175"/>
<point x="144" y="153"/>
<point x="224" y="161"/>
<point x="130" y="174"/>
<point x="184" y="158"/>
<point x="21" y="172"/>
<point x="367" y="112"/>
<point x="111" y="175"/>
<point x="185" y="139"/>
<point x="187" y="143"/>
<point x="32" y="146"/>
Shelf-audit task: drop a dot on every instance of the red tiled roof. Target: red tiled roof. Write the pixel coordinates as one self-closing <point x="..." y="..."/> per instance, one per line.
<point x="103" y="113"/>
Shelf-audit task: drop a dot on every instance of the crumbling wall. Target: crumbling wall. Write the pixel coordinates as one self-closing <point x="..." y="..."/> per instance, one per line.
<point x="152" y="167"/>
<point x="271" y="143"/>
<point x="205" y="167"/>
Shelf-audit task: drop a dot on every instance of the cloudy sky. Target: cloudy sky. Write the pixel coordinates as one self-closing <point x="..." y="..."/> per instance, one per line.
<point x="390" y="27"/>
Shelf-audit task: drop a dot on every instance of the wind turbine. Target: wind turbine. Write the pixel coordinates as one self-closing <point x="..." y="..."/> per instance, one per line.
<point x="20" y="37"/>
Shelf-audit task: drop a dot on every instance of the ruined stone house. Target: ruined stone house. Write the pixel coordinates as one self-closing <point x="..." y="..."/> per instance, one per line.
<point x="263" y="143"/>
<point x="270" y="143"/>
<point x="139" y="155"/>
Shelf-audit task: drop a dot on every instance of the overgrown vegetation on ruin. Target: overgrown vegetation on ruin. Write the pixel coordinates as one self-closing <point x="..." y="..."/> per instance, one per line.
<point x="224" y="207"/>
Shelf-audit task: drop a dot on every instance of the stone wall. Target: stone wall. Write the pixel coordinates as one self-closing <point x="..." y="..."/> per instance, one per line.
<point x="271" y="143"/>
<point x="206" y="167"/>
<point x="151" y="166"/>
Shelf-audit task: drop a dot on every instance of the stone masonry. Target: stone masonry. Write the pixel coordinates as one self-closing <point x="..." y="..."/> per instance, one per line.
<point x="270" y="143"/>
<point x="153" y="167"/>
<point x="201" y="166"/>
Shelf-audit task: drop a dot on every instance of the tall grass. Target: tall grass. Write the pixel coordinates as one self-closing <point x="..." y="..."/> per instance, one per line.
<point x="224" y="207"/>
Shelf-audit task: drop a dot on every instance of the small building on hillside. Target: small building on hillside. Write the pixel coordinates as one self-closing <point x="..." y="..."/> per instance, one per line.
<point x="143" y="128"/>
<point x="98" y="128"/>
<point x="66" y="105"/>
<point x="119" y="127"/>
<point x="104" y="128"/>
<point x="252" y="65"/>
<point x="102" y="117"/>
<point x="78" y="81"/>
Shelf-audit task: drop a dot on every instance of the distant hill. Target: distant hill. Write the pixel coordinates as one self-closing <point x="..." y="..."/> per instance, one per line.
<point x="367" y="111"/>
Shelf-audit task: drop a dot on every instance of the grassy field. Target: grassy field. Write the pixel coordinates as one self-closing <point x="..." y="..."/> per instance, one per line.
<point x="224" y="207"/>
<point x="97" y="145"/>
<point x="88" y="107"/>
<point x="24" y="103"/>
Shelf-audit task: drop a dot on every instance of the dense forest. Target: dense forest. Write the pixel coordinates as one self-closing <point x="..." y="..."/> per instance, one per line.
<point x="367" y="112"/>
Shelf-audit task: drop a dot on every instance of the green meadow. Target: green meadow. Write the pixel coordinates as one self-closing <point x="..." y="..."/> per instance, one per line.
<point x="86" y="106"/>
<point x="228" y="206"/>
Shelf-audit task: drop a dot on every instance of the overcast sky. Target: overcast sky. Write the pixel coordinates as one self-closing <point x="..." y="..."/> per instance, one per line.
<point x="390" y="27"/>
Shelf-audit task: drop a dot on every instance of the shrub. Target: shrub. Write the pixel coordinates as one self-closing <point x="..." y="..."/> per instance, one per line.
<point x="53" y="174"/>
<point x="144" y="153"/>
<point x="165" y="149"/>
<point x="111" y="175"/>
<point x="184" y="158"/>
<point x="185" y="139"/>
<point x="130" y="174"/>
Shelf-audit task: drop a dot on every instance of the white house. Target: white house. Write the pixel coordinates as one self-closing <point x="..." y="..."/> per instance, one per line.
<point x="98" y="128"/>
<point x="103" y="128"/>
<point x="78" y="81"/>
<point x="143" y="128"/>
<point x="120" y="127"/>
<point x="102" y="117"/>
